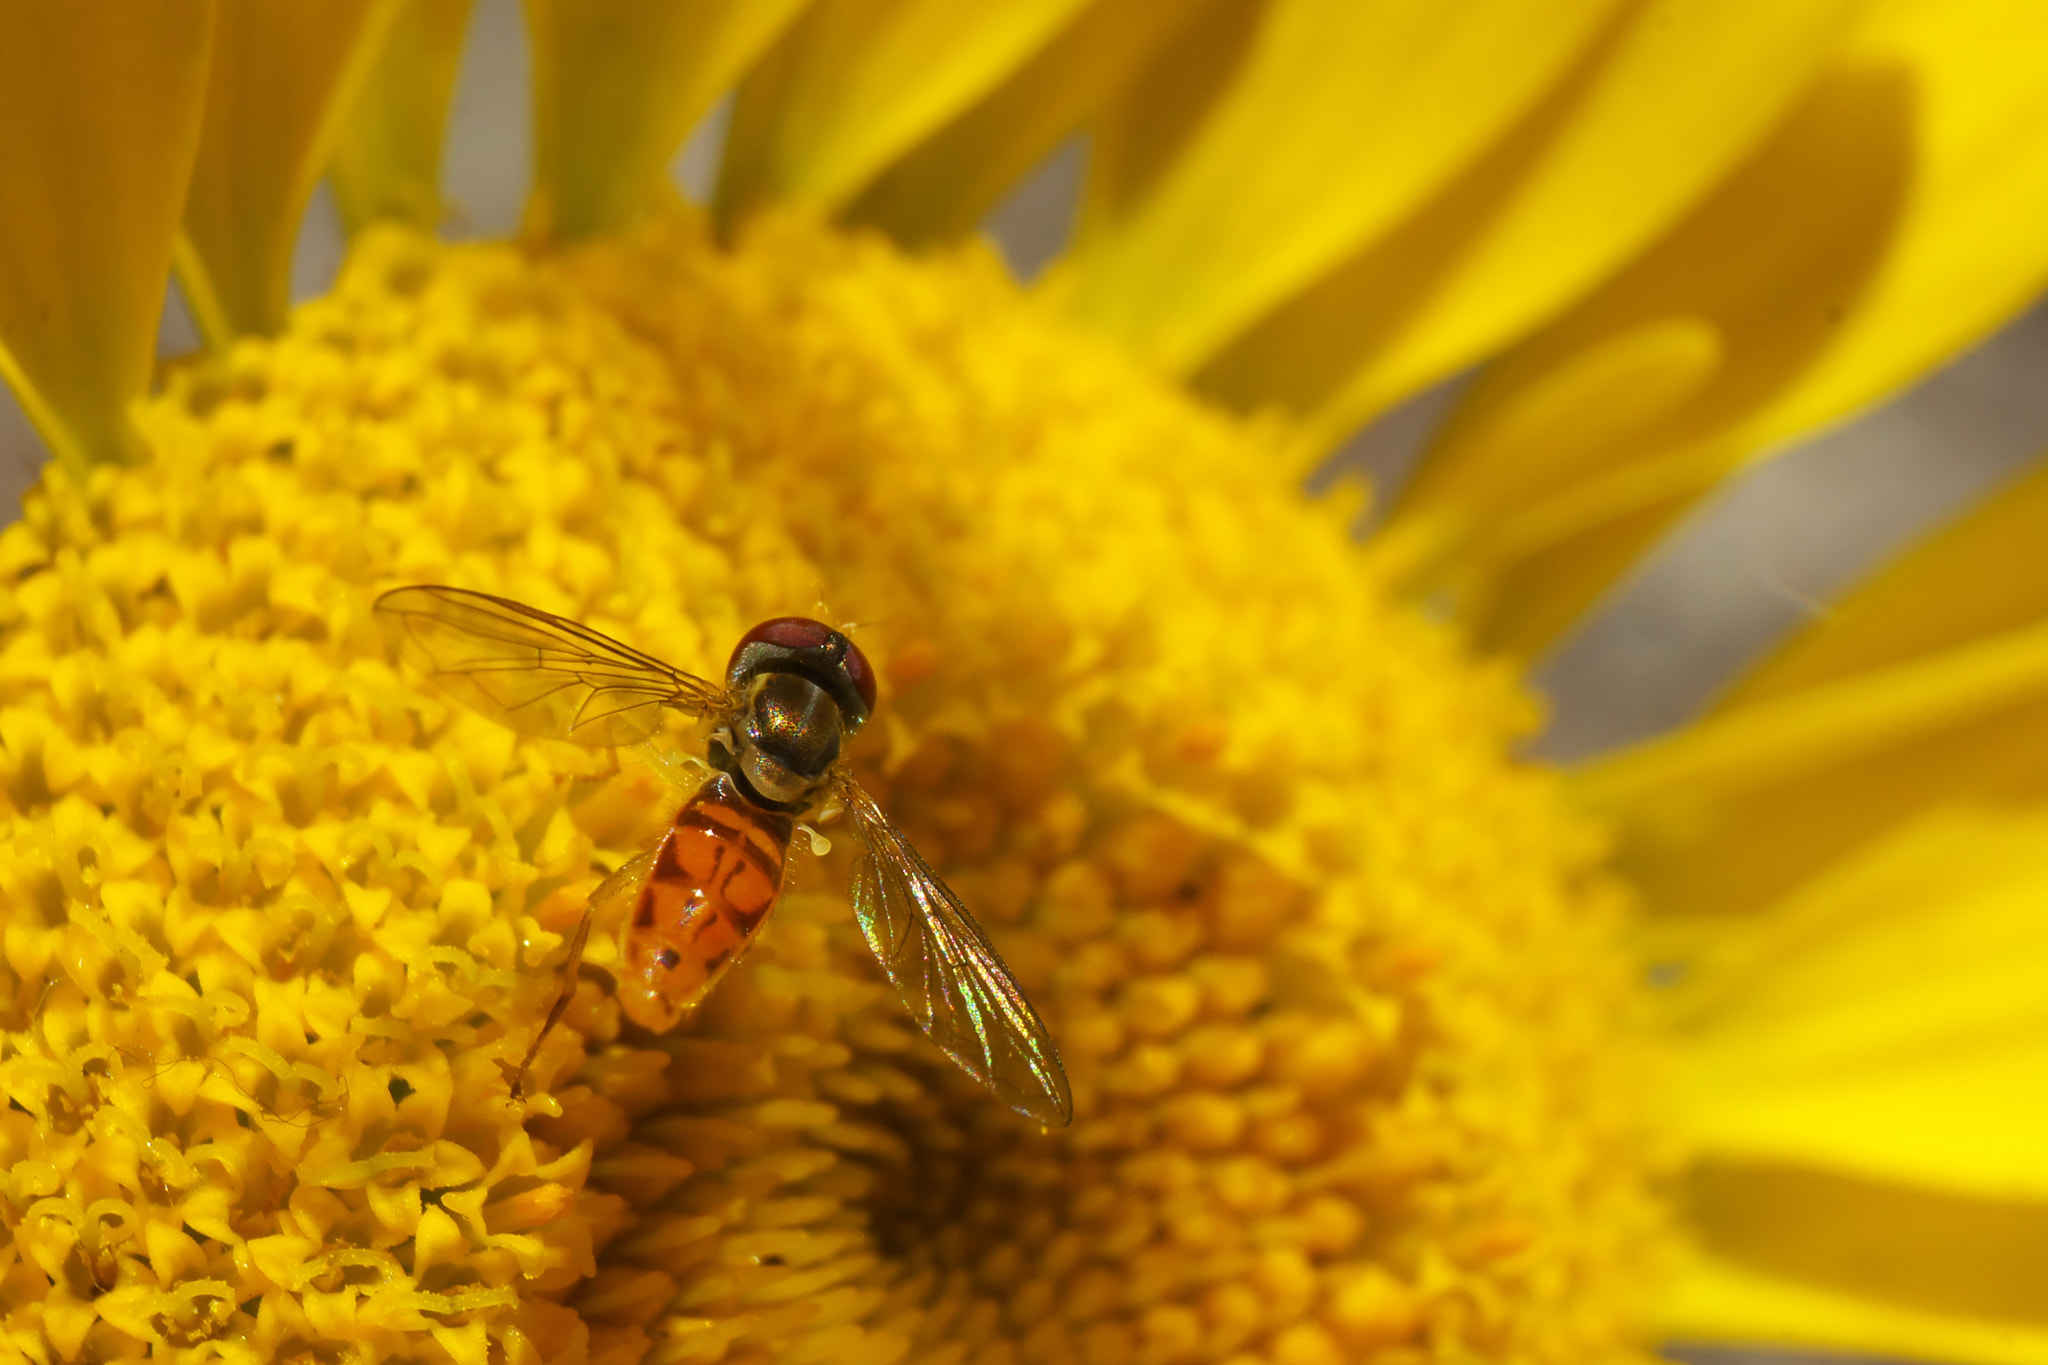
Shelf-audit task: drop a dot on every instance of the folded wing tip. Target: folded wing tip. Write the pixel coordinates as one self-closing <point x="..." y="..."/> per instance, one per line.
<point x="1060" y="1114"/>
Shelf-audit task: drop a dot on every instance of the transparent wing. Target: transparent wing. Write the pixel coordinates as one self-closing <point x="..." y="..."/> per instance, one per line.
<point x="537" y="672"/>
<point x="954" y="984"/>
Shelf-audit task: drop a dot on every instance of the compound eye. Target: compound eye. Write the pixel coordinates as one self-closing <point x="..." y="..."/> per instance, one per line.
<point x="861" y="673"/>
<point x="786" y="632"/>
<point x="668" y="959"/>
<point x="797" y="644"/>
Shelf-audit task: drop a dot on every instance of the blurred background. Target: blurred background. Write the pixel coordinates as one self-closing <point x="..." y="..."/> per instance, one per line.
<point x="1764" y="556"/>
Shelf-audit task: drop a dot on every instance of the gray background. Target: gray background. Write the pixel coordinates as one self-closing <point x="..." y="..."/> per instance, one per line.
<point x="1753" y="564"/>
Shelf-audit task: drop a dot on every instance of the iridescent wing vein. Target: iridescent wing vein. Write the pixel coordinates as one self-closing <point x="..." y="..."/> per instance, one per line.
<point x="536" y="672"/>
<point x="949" y="976"/>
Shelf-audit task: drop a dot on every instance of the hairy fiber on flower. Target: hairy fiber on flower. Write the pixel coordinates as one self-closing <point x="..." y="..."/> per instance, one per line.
<point x="1336" y="984"/>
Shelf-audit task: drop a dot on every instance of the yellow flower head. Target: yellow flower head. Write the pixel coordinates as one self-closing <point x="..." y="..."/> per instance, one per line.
<point x="1336" y="985"/>
<point x="1346" y="995"/>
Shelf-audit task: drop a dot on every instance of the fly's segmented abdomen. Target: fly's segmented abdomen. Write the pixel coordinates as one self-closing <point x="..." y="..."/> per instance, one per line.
<point x="715" y="877"/>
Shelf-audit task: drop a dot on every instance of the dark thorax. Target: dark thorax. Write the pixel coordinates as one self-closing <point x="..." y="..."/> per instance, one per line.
<point x="782" y="741"/>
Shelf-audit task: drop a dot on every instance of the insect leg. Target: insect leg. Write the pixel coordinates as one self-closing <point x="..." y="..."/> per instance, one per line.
<point x="562" y="999"/>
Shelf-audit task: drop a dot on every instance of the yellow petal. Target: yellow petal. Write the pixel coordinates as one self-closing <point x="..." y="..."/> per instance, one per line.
<point x="1341" y="121"/>
<point x="387" y="160"/>
<point x="1755" y="270"/>
<point x="1736" y="810"/>
<point x="1957" y="585"/>
<point x="1139" y="135"/>
<point x="1888" y="224"/>
<point x="1657" y="112"/>
<point x="1890" y="1020"/>
<point x="281" y="81"/>
<point x="1858" y="1279"/>
<point x="617" y="86"/>
<point x="855" y="83"/>
<point x="100" y="108"/>
<point x="1575" y="544"/>
<point x="950" y="181"/>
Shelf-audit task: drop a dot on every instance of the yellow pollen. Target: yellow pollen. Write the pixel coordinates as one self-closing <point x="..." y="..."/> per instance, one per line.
<point x="1352" y="1041"/>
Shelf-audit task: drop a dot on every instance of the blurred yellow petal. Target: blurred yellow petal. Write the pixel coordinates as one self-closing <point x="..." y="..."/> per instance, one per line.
<point x="1890" y="1020"/>
<point x="1862" y="1079"/>
<point x="1887" y="225"/>
<point x="387" y="161"/>
<point x="1608" y="533"/>
<point x="1343" y="119"/>
<point x="855" y="83"/>
<point x="951" y="181"/>
<point x="1736" y="810"/>
<point x="1965" y="253"/>
<point x="1138" y="135"/>
<point x="617" y="86"/>
<point x="1791" y="736"/>
<point x="100" y="106"/>
<point x="1855" y="1275"/>
<point x="1652" y="116"/>
<point x="1599" y="417"/>
<point x="282" y="79"/>
<point x="1978" y="577"/>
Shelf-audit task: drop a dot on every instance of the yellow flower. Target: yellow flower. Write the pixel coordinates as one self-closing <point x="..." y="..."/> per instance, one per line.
<point x="1339" y="1052"/>
<point x="1346" y="994"/>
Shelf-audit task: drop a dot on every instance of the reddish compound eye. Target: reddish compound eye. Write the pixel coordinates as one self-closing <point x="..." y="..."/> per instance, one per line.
<point x="797" y="644"/>
<point x="789" y="632"/>
<point x="856" y="665"/>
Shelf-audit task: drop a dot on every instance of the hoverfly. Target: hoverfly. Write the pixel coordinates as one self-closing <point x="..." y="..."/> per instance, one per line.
<point x="794" y="691"/>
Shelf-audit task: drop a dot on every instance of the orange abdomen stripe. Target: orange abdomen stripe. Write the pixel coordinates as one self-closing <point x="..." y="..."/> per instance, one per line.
<point x="715" y="878"/>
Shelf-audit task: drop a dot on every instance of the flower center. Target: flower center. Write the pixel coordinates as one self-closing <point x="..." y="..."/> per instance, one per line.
<point x="1335" y="982"/>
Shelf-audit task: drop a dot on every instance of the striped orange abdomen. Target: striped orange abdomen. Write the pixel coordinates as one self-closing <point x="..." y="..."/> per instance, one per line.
<point x="715" y="877"/>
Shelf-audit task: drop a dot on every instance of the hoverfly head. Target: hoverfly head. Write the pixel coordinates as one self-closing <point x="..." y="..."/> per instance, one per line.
<point x="805" y="689"/>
